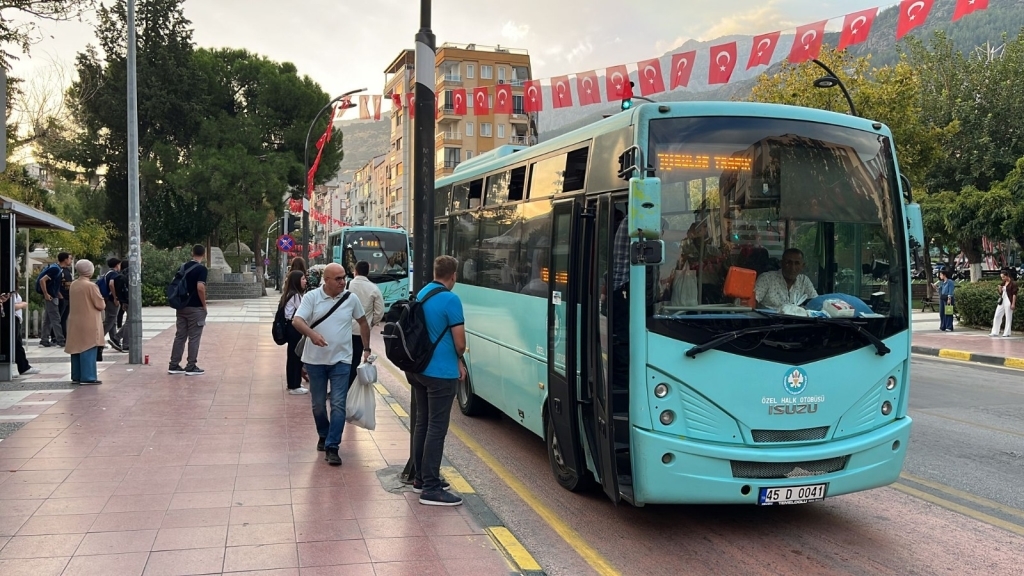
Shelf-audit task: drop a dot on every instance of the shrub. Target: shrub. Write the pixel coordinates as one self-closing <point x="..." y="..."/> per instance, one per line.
<point x="976" y="303"/>
<point x="159" y="266"/>
<point x="153" y="295"/>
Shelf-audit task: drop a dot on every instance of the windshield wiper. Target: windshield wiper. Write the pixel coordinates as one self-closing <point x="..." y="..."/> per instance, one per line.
<point x="880" y="348"/>
<point x="730" y="336"/>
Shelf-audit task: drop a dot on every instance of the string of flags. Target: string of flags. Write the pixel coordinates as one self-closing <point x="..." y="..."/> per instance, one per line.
<point x="295" y="206"/>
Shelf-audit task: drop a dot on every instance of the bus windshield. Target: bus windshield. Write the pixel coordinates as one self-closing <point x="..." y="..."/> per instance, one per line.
<point x="767" y="218"/>
<point x="386" y="253"/>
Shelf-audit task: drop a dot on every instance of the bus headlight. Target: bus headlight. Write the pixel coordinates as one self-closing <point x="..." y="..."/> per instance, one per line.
<point x="661" y="390"/>
<point x="886" y="408"/>
<point x="667" y="417"/>
<point x="890" y="384"/>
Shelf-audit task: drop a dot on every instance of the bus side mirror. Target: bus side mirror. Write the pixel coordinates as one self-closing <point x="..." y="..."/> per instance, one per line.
<point x="647" y="252"/>
<point x="645" y="208"/>
<point x="915" y="223"/>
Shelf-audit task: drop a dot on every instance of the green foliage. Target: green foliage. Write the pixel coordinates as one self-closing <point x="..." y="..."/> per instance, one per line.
<point x="89" y="240"/>
<point x="976" y="303"/>
<point x="153" y="295"/>
<point x="22" y="33"/>
<point x="159" y="266"/>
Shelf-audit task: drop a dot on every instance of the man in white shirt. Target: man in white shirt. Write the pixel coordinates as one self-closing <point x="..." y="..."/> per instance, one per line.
<point x="327" y="354"/>
<point x="373" y="303"/>
<point x="777" y="288"/>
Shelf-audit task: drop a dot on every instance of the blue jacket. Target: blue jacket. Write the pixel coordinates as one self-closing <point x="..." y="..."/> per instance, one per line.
<point x="946" y="288"/>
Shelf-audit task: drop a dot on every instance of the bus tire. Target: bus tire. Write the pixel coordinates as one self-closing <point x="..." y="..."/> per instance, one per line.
<point x="571" y="481"/>
<point x="469" y="403"/>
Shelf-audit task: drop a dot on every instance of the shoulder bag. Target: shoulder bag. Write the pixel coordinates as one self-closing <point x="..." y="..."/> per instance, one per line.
<point x="301" y="345"/>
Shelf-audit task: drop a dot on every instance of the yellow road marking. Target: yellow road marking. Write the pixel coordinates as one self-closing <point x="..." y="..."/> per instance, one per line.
<point x="456" y="480"/>
<point x="955" y="355"/>
<point x="381" y="389"/>
<point x="965" y="496"/>
<point x="942" y="502"/>
<point x="519" y="554"/>
<point x="1017" y="363"/>
<point x="399" y="410"/>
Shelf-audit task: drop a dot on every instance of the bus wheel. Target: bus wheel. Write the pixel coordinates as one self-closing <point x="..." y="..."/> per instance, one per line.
<point x="469" y="403"/>
<point x="571" y="481"/>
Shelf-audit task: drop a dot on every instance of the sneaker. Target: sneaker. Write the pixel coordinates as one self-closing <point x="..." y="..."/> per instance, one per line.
<point x="441" y="498"/>
<point x="45" y="344"/>
<point x="30" y="371"/>
<point x="417" y="486"/>
<point x="115" y="345"/>
<point x="194" y="371"/>
<point x="298" y="391"/>
<point x="175" y="369"/>
<point x="332" y="457"/>
<point x="993" y="335"/>
<point x="320" y="445"/>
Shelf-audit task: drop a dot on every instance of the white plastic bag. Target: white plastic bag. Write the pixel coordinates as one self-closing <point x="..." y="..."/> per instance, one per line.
<point x="361" y="404"/>
<point x="684" y="288"/>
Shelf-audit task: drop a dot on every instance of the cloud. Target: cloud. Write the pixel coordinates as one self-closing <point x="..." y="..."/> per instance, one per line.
<point x="554" y="50"/>
<point x="766" y="17"/>
<point x="662" y="47"/>
<point x="582" y="49"/>
<point x="515" y="32"/>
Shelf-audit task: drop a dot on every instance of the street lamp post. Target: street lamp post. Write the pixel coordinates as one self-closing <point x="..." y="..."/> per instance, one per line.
<point x="831" y="81"/>
<point x="134" y="220"/>
<point x="305" y="162"/>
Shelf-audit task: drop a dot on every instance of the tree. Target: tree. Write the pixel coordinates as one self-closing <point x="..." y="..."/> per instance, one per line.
<point x="24" y="33"/>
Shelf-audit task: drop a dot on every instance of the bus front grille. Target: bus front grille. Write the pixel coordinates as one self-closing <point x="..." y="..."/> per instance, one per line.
<point x="769" y="470"/>
<point x="802" y="435"/>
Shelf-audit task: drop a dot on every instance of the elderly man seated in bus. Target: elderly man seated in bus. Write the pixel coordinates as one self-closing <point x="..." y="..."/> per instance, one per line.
<point x="778" y="288"/>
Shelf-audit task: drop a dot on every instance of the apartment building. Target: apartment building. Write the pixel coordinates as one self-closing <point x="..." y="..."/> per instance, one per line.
<point x="364" y="194"/>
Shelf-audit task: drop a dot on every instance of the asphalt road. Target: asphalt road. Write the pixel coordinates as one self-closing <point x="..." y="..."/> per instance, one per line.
<point x="959" y="509"/>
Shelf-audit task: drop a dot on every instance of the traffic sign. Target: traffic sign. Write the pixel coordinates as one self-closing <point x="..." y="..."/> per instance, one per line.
<point x="285" y="243"/>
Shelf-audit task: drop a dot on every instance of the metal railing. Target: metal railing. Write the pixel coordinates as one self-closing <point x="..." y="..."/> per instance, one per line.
<point x="449" y="136"/>
<point x="519" y="140"/>
<point x="454" y="78"/>
<point x="451" y="163"/>
<point x="517" y="83"/>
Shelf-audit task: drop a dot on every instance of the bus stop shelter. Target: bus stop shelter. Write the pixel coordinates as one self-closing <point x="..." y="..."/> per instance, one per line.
<point x="16" y="216"/>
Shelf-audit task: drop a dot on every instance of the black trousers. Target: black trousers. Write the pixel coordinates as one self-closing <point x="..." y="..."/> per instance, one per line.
<point x="293" y="367"/>
<point x="357" y="358"/>
<point x="20" y="358"/>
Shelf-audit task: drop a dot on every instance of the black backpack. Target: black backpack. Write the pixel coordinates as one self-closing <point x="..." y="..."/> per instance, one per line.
<point x="177" y="290"/>
<point x="280" y="327"/>
<point x="406" y="337"/>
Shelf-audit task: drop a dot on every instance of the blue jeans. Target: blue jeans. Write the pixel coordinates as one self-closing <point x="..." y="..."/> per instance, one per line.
<point x="328" y="426"/>
<point x="83" y="366"/>
<point x="945" y="320"/>
<point x="434" y="397"/>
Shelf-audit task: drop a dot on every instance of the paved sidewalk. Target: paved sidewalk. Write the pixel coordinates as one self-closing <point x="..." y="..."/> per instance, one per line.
<point x="965" y="344"/>
<point x="165" y="475"/>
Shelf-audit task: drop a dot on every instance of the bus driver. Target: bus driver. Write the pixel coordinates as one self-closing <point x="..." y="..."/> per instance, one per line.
<point x="778" y="288"/>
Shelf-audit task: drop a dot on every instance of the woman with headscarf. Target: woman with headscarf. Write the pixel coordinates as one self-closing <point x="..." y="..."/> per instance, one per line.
<point x="85" y="325"/>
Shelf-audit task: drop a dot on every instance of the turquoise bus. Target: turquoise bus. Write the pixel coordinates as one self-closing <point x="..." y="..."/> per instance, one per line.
<point x="613" y="280"/>
<point x="385" y="249"/>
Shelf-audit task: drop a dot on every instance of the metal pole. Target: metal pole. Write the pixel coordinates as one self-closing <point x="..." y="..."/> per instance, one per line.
<point x="849" y="100"/>
<point x="134" y="226"/>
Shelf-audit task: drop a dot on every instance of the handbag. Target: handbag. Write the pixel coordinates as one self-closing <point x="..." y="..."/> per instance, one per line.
<point x="301" y="345"/>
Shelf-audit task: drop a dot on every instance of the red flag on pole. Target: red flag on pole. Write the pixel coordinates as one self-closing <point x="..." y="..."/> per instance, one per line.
<point x="410" y="103"/>
<point x="616" y="79"/>
<point x="323" y="140"/>
<point x="763" y="50"/>
<point x="376" y="107"/>
<point x="396" y="101"/>
<point x="652" y="81"/>
<point x="503" y="99"/>
<point x="913" y="14"/>
<point x="364" y="107"/>
<point x="682" y="68"/>
<point x="534" y="98"/>
<point x="587" y="89"/>
<point x="723" y="62"/>
<point x="481" y="101"/>
<point x="965" y="7"/>
<point x="459" y="101"/>
<point x="856" y="28"/>
<point x="807" y="44"/>
<point x="561" y="94"/>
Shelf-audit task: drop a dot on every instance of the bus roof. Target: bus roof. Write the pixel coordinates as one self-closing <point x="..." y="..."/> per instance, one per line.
<point x="509" y="155"/>
<point x="368" y="229"/>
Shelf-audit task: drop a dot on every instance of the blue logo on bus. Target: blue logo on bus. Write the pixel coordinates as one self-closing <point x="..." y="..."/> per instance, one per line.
<point x="795" y="381"/>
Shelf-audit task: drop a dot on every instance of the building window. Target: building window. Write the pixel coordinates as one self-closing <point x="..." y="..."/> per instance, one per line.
<point x="486" y="72"/>
<point x="501" y="73"/>
<point x="501" y="130"/>
<point x="469" y="154"/>
<point x="470" y="70"/>
<point x="469" y="128"/>
<point x="485" y="129"/>
<point x="490" y="102"/>
<point x="398" y="144"/>
<point x="517" y="105"/>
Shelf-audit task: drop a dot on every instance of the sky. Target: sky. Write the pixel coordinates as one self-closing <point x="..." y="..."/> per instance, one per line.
<point x="345" y="45"/>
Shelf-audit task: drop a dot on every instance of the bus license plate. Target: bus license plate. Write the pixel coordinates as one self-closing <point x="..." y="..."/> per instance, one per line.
<point x="791" y="495"/>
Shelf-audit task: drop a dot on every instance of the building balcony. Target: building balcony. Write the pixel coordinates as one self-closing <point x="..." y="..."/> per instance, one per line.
<point x="449" y="138"/>
<point x="519" y="140"/>
<point x="450" y="79"/>
<point x="447" y="114"/>
<point x="517" y="83"/>
<point x="519" y="117"/>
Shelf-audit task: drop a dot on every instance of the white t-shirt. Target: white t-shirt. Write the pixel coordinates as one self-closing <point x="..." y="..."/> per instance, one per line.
<point x="292" y="306"/>
<point x="772" y="291"/>
<point x="336" y="330"/>
<point x="370" y="297"/>
<point x="17" y="300"/>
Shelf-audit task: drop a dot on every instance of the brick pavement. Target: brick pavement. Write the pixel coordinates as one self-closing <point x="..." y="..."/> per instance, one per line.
<point x="171" y="475"/>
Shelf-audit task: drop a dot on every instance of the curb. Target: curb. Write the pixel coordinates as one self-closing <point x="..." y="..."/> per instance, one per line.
<point x="514" y="552"/>
<point x="962" y="356"/>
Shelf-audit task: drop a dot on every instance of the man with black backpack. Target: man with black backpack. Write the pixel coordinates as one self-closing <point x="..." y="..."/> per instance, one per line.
<point x="48" y="283"/>
<point x="106" y="285"/>
<point x="124" y="333"/>
<point x="191" y="316"/>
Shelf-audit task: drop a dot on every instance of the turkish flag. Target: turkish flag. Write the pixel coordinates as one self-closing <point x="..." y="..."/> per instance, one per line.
<point x="913" y="14"/>
<point x="807" y="44"/>
<point x="682" y="68"/>
<point x="533" y="98"/>
<point x="364" y="107"/>
<point x="481" y="101"/>
<point x="376" y="107"/>
<point x="616" y="79"/>
<point x="396" y="101"/>
<point x="856" y="28"/>
<point x="965" y="7"/>
<point x="723" y="62"/>
<point x="410" y="103"/>
<point x="561" y="94"/>
<point x="503" y="99"/>
<point x="459" y="101"/>
<point x="586" y="88"/>
<point x="652" y="81"/>
<point x="763" y="50"/>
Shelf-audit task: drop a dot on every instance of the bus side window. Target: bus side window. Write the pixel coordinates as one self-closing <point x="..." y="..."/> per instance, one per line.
<point x="517" y="184"/>
<point x="465" y="245"/>
<point x="535" y="247"/>
<point x="460" y="196"/>
<point x="476" y="193"/>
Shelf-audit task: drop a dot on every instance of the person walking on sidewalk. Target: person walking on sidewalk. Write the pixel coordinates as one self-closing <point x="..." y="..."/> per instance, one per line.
<point x="113" y="305"/>
<point x="124" y="333"/>
<point x="946" y="287"/>
<point x="50" y="284"/>
<point x="291" y="298"/>
<point x="325" y="317"/>
<point x="373" y="303"/>
<point x="435" y="388"/>
<point x="192" y="318"/>
<point x="85" y="325"/>
<point x="20" y="357"/>
<point x="1007" y="304"/>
